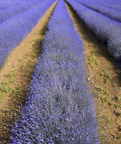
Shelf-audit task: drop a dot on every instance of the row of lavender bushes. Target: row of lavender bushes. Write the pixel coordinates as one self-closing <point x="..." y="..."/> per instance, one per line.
<point x="116" y="4"/>
<point x="106" y="29"/>
<point x="4" y="4"/>
<point x="18" y="8"/>
<point x="59" y="109"/>
<point x="15" y="29"/>
<point x="110" y="12"/>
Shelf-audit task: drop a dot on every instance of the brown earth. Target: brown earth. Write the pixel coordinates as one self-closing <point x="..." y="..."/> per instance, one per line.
<point x="16" y="73"/>
<point x="104" y="79"/>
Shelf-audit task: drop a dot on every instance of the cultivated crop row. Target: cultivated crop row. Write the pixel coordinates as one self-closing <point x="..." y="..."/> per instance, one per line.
<point x="15" y="29"/>
<point x="106" y="29"/>
<point x="109" y="3"/>
<point x="59" y="109"/>
<point x="12" y="11"/>
<point x="4" y="4"/>
<point x="110" y="12"/>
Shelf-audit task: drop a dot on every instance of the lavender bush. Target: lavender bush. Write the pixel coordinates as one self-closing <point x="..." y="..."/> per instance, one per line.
<point x="14" y="30"/>
<point x="110" y="12"/>
<point x="12" y="11"/>
<point x="8" y="3"/>
<point x="116" y="4"/>
<point x="104" y="28"/>
<point x="59" y="109"/>
<point x="11" y="3"/>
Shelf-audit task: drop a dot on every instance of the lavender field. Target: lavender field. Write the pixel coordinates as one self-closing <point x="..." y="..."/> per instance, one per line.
<point x="57" y="69"/>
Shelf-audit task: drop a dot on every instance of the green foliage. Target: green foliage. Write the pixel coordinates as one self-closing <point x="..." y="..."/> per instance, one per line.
<point x="106" y="75"/>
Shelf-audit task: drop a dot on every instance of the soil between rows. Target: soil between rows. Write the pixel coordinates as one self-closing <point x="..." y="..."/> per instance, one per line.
<point x="15" y="75"/>
<point x="104" y="79"/>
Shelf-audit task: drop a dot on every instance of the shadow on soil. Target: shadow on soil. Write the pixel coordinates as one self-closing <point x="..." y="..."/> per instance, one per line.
<point x="93" y="40"/>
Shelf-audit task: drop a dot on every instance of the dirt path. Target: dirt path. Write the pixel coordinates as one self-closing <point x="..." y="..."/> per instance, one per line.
<point x="104" y="78"/>
<point x="15" y="75"/>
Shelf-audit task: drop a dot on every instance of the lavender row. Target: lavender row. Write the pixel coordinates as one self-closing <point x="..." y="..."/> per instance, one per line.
<point x="10" y="3"/>
<point x="110" y="12"/>
<point x="8" y="13"/>
<point x="14" y="30"/>
<point x="59" y="109"/>
<point x="4" y="4"/>
<point x="105" y="29"/>
<point x="116" y="4"/>
<point x="111" y="3"/>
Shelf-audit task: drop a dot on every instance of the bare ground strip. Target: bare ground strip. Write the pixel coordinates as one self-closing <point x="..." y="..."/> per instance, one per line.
<point x="15" y="75"/>
<point x="104" y="79"/>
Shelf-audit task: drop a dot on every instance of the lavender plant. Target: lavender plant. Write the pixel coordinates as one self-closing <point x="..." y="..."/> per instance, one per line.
<point x="116" y="4"/>
<point x="59" y="108"/>
<point x="115" y="14"/>
<point x="105" y="29"/>
<point x="11" y="3"/>
<point x="14" y="30"/>
<point x="12" y="11"/>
